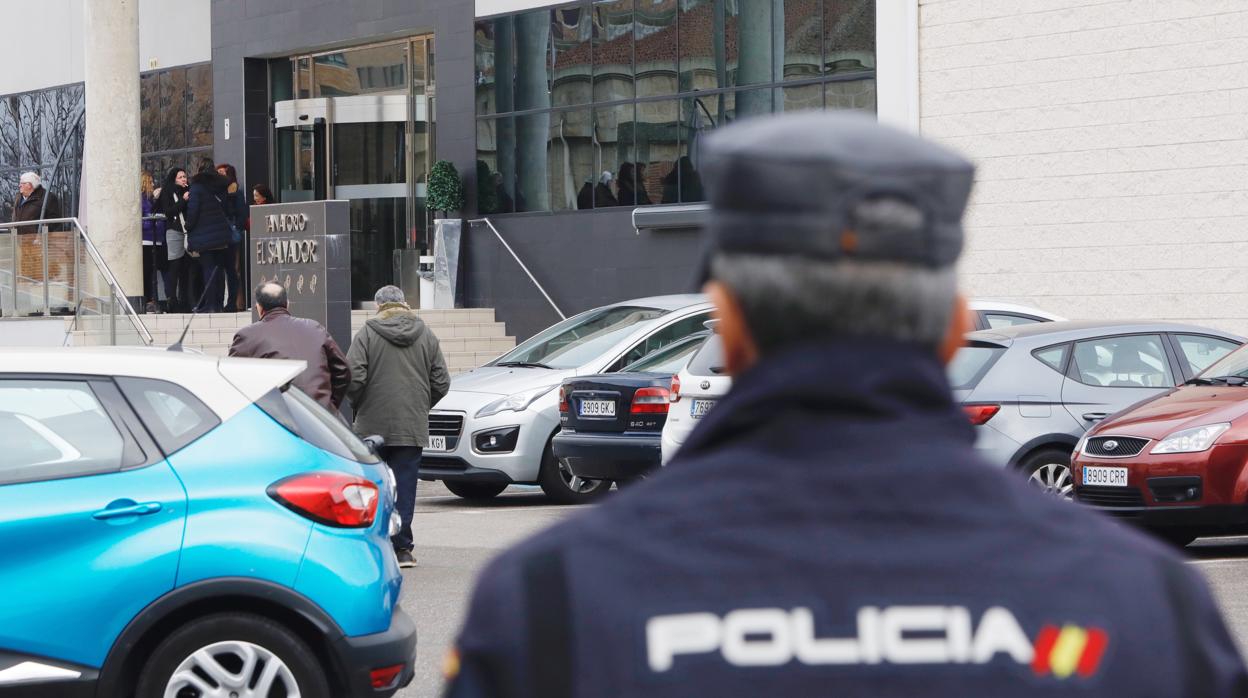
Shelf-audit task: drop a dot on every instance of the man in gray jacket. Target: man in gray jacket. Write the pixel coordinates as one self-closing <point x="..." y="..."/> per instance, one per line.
<point x="397" y="375"/>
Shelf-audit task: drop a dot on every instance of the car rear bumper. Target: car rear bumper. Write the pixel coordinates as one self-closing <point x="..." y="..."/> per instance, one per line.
<point x="364" y="653"/>
<point x="607" y="456"/>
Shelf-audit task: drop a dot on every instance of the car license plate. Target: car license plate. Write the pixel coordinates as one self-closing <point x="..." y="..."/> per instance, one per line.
<point x="1107" y="477"/>
<point x="437" y="443"/>
<point x="597" y="408"/>
<point x="699" y="408"/>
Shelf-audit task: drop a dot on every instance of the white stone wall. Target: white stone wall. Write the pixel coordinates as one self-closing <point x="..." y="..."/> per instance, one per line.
<point x="1112" y="144"/>
<point x="41" y="42"/>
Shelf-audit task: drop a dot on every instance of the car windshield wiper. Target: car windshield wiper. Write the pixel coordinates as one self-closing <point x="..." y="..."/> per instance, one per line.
<point x="1228" y="380"/>
<point x="1204" y="381"/>
<point x="524" y="364"/>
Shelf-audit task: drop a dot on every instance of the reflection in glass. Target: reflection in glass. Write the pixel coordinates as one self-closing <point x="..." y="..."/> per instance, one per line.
<point x="802" y="97"/>
<point x="702" y="52"/>
<point x="199" y="105"/>
<point x="747" y="41"/>
<point x="659" y="148"/>
<point x="848" y="35"/>
<point x="303" y="78"/>
<point x="655" y="49"/>
<point x="30" y="142"/>
<point x="699" y="116"/>
<point x="851" y="94"/>
<point x="533" y="61"/>
<point x="149" y="111"/>
<point x="617" y="154"/>
<point x="496" y="165"/>
<point x="171" y="132"/>
<point x="371" y="70"/>
<point x="9" y="132"/>
<point x="570" y="31"/>
<point x="532" y="190"/>
<point x="574" y="182"/>
<point x="495" y="65"/>
<point x="803" y="39"/>
<point x="613" y="50"/>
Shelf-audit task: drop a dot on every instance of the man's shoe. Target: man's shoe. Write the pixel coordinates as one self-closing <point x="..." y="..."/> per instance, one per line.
<point x="406" y="559"/>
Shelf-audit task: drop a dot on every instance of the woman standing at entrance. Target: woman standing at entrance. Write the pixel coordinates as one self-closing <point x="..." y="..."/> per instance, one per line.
<point x="172" y="202"/>
<point x="210" y="232"/>
<point x="233" y="265"/>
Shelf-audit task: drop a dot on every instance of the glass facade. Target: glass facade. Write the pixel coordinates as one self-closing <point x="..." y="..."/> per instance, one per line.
<point x="601" y="104"/>
<point x="175" y="121"/>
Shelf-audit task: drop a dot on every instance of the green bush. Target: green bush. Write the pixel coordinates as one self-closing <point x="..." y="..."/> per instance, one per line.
<point x="446" y="192"/>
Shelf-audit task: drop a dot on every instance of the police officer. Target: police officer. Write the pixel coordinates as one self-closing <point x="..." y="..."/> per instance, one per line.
<point x="829" y="529"/>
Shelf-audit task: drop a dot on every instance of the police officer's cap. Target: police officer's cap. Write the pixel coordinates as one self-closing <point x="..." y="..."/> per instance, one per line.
<point x="833" y="186"/>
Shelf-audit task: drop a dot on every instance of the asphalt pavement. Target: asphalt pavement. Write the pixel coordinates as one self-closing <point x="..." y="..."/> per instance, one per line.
<point x="455" y="539"/>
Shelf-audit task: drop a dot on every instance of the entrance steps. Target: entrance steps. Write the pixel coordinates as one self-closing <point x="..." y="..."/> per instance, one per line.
<point x="469" y="336"/>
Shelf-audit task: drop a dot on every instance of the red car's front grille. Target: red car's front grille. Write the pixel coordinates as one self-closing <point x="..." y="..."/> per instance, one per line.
<point x="1110" y="496"/>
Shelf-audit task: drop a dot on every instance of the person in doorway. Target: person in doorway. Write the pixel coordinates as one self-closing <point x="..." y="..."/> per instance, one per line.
<point x="171" y="201"/>
<point x="209" y="215"/>
<point x="280" y="335"/>
<point x="29" y="203"/>
<point x="397" y="375"/>
<point x="241" y="220"/>
<point x="155" y="260"/>
<point x="829" y="529"/>
<point x="261" y="195"/>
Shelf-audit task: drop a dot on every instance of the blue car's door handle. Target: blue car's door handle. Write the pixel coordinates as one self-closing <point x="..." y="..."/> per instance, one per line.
<point x="132" y="510"/>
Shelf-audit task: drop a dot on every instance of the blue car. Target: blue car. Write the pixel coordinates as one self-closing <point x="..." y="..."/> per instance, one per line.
<point x="179" y="525"/>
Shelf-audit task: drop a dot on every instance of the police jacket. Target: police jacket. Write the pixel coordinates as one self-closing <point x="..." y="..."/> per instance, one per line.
<point x="829" y="531"/>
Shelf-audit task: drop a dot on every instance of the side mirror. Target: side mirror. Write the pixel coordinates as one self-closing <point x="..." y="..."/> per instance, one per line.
<point x="374" y="443"/>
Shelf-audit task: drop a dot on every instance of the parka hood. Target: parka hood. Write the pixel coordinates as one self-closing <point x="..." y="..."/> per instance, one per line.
<point x="398" y="325"/>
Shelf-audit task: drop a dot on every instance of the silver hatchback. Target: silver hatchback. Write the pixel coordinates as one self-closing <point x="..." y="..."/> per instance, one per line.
<point x="1031" y="391"/>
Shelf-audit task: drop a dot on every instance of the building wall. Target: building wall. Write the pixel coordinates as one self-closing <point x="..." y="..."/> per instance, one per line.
<point x="1111" y="146"/>
<point x="48" y="36"/>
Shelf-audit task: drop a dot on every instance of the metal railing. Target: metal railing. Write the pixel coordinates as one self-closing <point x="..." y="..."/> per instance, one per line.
<point x="74" y="292"/>
<point x="521" y="263"/>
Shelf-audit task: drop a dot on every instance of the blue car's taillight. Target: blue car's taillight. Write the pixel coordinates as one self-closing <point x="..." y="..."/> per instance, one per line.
<point x="333" y="499"/>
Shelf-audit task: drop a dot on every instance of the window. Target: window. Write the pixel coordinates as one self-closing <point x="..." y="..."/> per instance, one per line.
<point x="307" y="419"/>
<point x="669" y="359"/>
<point x="656" y="76"/>
<point x="997" y="320"/>
<point x="53" y="429"/>
<point x="581" y="339"/>
<point x="1202" y="352"/>
<point x="173" y="416"/>
<point x="709" y="361"/>
<point x="1135" y="361"/>
<point x="676" y="331"/>
<point x="1053" y="357"/>
<point x="971" y="364"/>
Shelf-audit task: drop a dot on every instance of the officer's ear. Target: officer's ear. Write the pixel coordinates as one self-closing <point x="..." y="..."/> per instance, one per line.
<point x="960" y="322"/>
<point x="740" y="350"/>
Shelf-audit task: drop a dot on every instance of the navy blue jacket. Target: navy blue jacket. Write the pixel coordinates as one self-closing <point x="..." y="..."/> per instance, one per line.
<point x="829" y="530"/>
<point x="209" y="213"/>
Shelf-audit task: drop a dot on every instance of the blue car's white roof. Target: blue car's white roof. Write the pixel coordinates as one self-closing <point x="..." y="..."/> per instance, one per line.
<point x="672" y="302"/>
<point x="225" y="385"/>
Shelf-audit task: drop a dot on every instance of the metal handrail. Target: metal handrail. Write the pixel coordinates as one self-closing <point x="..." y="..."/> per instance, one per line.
<point x="118" y="295"/>
<point x="521" y="263"/>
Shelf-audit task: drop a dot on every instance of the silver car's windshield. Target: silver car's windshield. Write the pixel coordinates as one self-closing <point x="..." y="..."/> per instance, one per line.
<point x="581" y="339"/>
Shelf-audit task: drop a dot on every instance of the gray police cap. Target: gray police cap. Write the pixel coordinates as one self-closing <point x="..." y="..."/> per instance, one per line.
<point x="832" y="186"/>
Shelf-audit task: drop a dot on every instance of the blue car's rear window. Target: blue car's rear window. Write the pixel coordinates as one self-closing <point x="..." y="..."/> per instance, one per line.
<point x="308" y="420"/>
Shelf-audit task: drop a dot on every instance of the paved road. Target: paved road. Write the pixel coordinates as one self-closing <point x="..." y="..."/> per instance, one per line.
<point x="454" y="540"/>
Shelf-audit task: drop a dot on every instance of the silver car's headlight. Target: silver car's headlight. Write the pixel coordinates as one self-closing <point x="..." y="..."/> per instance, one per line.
<point x="392" y="486"/>
<point x="1082" y="442"/>
<point x="518" y="402"/>
<point x="1191" y="440"/>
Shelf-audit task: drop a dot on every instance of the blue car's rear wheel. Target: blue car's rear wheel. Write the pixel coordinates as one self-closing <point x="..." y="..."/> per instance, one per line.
<point x="233" y="654"/>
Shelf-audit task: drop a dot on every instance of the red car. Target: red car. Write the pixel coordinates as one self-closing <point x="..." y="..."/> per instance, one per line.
<point x="1177" y="463"/>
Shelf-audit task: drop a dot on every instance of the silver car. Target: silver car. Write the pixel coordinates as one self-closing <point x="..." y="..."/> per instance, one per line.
<point x="494" y="427"/>
<point x="1031" y="391"/>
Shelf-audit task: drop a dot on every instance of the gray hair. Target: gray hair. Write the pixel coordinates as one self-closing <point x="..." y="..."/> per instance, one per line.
<point x="389" y="294"/>
<point x="790" y="300"/>
<point x="31" y="178"/>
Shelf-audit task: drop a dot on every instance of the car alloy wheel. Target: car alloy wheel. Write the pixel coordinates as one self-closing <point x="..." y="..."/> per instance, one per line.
<point x="1055" y="479"/>
<point x="232" y="669"/>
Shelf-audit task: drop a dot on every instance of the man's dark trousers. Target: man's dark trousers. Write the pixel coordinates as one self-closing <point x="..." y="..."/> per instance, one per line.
<point x="404" y="462"/>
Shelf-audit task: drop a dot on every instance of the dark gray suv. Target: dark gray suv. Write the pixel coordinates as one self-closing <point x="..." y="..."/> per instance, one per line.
<point x="1033" y="390"/>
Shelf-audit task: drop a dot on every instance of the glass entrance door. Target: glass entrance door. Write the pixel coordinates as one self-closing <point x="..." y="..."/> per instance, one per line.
<point x="361" y="130"/>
